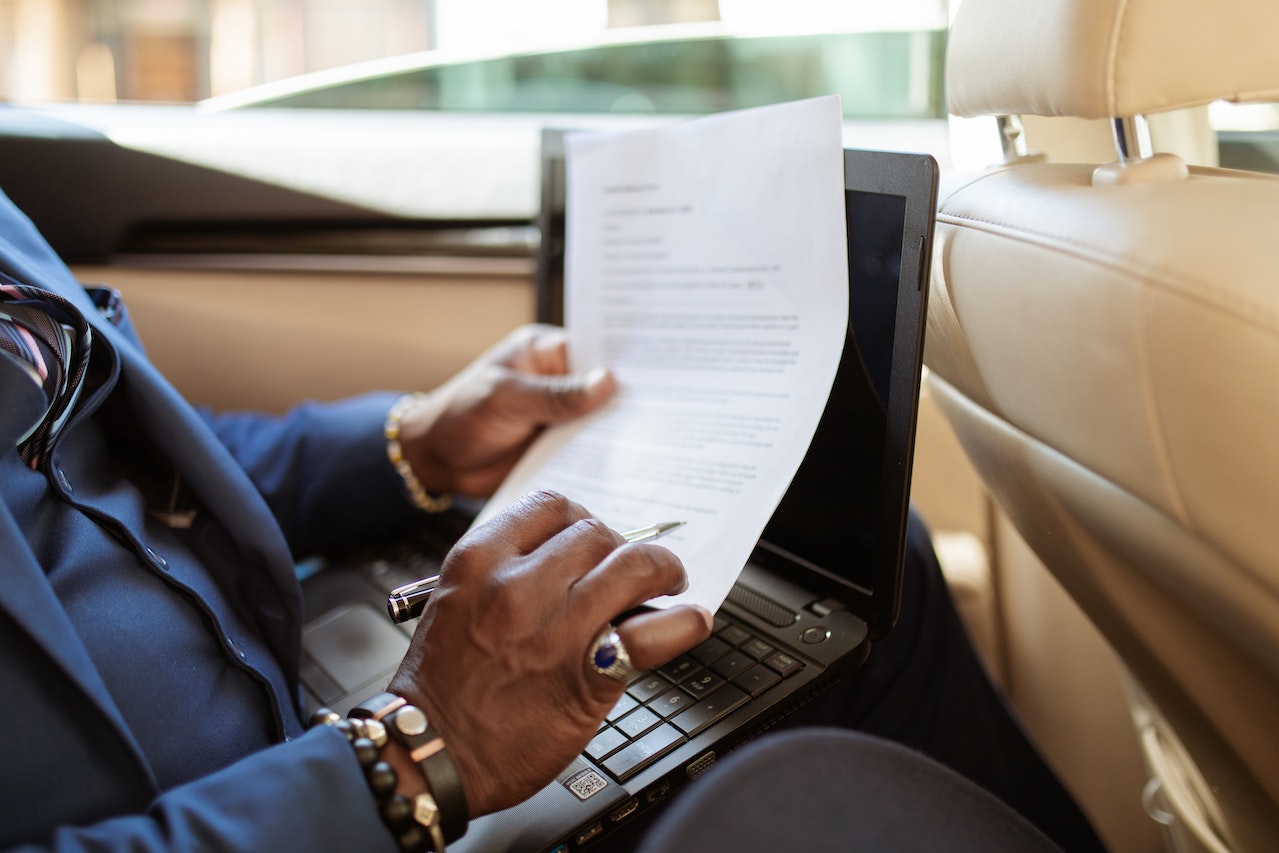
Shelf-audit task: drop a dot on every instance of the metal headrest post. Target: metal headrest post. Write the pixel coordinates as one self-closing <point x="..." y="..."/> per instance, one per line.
<point x="1132" y="138"/>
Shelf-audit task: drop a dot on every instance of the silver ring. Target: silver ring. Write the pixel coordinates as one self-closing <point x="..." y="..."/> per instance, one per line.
<point x="609" y="657"/>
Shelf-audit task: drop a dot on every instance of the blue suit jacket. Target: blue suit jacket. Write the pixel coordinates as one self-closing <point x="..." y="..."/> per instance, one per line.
<point x="72" y="775"/>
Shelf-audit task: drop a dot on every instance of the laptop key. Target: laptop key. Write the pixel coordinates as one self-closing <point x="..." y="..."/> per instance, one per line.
<point x="638" y="721"/>
<point x="628" y="761"/>
<point x="732" y="664"/>
<point x="757" y="679"/>
<point x="624" y="706"/>
<point x="710" y="650"/>
<point x="757" y="648"/>
<point x="648" y="687"/>
<point x="701" y="683"/>
<point x="715" y="707"/>
<point x="734" y="635"/>
<point x="605" y="743"/>
<point x="680" y="668"/>
<point x="671" y="702"/>
<point x="783" y="664"/>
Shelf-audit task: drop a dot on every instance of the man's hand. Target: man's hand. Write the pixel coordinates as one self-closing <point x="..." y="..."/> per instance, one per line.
<point x="465" y="436"/>
<point x="499" y="661"/>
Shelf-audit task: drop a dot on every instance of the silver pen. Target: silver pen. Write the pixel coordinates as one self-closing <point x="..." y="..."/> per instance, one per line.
<point x="407" y="602"/>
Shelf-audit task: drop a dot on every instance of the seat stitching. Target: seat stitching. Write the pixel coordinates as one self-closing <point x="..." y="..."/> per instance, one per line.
<point x="1112" y="58"/>
<point x="1249" y="311"/>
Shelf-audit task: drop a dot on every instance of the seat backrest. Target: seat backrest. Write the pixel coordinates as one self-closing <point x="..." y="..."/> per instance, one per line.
<point x="1105" y="341"/>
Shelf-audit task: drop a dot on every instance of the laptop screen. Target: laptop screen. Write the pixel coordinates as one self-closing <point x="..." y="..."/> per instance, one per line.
<point x="840" y="528"/>
<point x="831" y="519"/>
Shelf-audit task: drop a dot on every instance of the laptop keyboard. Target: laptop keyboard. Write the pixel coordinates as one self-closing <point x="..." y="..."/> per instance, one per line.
<point x="665" y="707"/>
<point x="660" y="710"/>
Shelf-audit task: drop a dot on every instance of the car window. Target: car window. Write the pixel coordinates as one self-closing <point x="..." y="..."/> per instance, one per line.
<point x="1247" y="135"/>
<point x="877" y="74"/>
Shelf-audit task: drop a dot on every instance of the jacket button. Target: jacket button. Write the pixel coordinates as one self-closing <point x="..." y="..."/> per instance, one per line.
<point x="63" y="482"/>
<point x="156" y="560"/>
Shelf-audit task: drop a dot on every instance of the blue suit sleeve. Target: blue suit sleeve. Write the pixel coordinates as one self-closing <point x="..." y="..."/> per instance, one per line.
<point x="308" y="794"/>
<point x="322" y="468"/>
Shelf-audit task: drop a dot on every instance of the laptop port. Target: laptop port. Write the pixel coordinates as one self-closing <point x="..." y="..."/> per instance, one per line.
<point x="590" y="832"/>
<point x="700" y="765"/>
<point x="658" y="792"/>
<point x="625" y="811"/>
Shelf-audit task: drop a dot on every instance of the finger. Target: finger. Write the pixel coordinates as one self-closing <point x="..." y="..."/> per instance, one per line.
<point x="536" y="348"/>
<point x="575" y="551"/>
<point x="528" y="523"/>
<point x="625" y="579"/>
<point x="548" y="351"/>
<point x="553" y="399"/>
<point x="653" y="638"/>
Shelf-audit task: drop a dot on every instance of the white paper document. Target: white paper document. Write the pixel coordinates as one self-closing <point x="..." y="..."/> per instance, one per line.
<point x="706" y="266"/>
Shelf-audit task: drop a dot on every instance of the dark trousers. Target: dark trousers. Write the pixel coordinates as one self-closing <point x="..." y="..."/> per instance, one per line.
<point x="923" y="688"/>
<point x="816" y="789"/>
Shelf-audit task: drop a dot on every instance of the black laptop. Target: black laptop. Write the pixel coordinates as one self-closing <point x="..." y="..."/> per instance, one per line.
<point x="822" y="584"/>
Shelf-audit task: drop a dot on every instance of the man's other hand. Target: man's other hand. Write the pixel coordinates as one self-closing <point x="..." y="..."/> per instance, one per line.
<point x="500" y="659"/>
<point x="466" y="435"/>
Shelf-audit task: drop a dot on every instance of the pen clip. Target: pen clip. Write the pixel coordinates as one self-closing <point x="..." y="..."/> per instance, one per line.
<point x="424" y="585"/>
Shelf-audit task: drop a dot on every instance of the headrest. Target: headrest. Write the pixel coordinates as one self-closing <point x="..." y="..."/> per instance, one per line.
<point x="1109" y="58"/>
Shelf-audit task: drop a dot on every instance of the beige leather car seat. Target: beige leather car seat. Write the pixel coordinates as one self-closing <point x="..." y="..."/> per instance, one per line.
<point x="1105" y="341"/>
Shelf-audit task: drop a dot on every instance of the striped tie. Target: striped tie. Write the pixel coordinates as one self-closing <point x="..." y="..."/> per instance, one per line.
<point x="50" y="338"/>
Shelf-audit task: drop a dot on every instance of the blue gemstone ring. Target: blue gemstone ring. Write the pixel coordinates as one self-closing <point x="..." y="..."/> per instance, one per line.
<point x="608" y="657"/>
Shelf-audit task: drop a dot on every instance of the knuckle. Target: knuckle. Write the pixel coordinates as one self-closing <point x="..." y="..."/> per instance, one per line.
<point x="550" y="505"/>
<point x="470" y="550"/>
<point x="592" y="528"/>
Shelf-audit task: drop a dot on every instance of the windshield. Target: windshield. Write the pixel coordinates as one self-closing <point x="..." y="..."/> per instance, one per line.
<point x="878" y="75"/>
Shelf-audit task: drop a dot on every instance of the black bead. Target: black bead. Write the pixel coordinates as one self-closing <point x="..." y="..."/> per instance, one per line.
<point x="366" y="751"/>
<point x="398" y="813"/>
<point x="345" y="727"/>
<point x="323" y="716"/>
<point x="382" y="780"/>
<point x="413" y="840"/>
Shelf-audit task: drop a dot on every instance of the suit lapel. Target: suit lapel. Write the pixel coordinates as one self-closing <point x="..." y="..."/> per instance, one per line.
<point x="25" y="593"/>
<point x="185" y="439"/>
<point x="209" y="470"/>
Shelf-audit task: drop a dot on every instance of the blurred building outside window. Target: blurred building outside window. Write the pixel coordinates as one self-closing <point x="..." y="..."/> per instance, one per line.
<point x="186" y="50"/>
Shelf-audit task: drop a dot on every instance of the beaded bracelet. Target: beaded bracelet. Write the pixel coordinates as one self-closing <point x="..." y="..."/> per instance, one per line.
<point x="417" y="493"/>
<point x="406" y="819"/>
<point x="408" y="725"/>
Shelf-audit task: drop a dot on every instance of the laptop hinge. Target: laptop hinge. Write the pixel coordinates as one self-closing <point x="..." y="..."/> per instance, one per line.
<point x="826" y="607"/>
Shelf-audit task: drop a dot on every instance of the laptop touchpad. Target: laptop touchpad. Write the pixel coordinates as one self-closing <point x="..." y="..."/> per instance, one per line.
<point x="353" y="643"/>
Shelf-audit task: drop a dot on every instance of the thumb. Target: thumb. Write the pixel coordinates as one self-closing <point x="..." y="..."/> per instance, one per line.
<point x="555" y="399"/>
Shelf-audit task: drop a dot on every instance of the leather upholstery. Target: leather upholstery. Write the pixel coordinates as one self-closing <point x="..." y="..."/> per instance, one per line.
<point x="1105" y="58"/>
<point x="1108" y="353"/>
